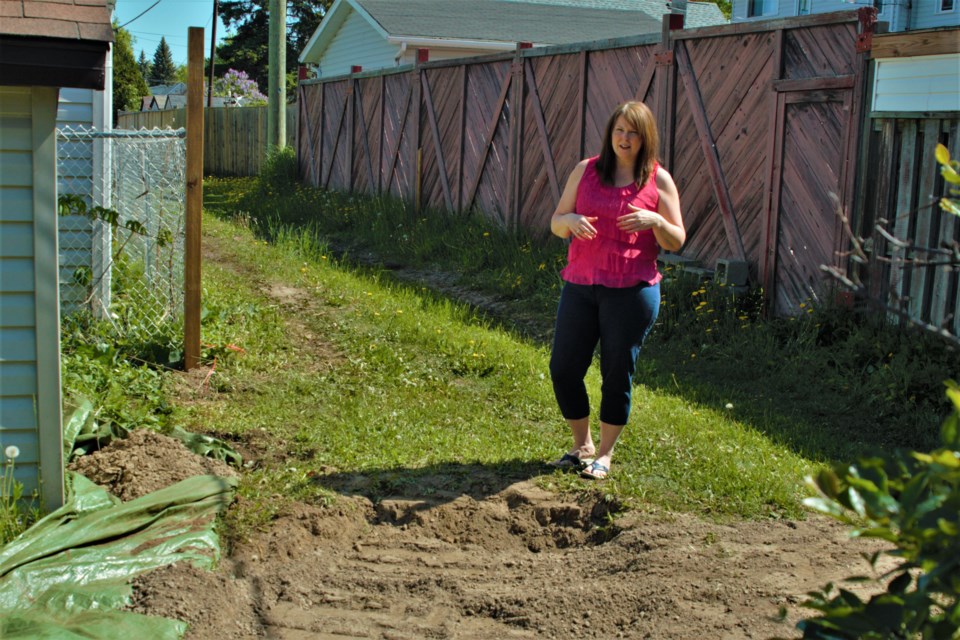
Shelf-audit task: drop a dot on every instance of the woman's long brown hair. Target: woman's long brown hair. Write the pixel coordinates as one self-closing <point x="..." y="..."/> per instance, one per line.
<point x="639" y="116"/>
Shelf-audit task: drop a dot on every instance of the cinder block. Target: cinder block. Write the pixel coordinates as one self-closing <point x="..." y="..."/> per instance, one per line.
<point x="732" y="273"/>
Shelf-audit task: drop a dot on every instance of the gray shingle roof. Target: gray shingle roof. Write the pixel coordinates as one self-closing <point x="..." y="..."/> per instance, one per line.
<point x="513" y="20"/>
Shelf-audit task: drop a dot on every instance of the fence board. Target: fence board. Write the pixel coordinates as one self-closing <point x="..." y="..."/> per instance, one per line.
<point x="235" y="138"/>
<point x="927" y="209"/>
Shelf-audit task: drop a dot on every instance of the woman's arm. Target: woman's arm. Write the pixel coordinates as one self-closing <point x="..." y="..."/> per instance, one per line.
<point x="670" y="234"/>
<point x="565" y="220"/>
<point x="666" y="222"/>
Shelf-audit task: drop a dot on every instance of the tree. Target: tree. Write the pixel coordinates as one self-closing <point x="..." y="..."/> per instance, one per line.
<point x="248" y="49"/>
<point x="238" y="87"/>
<point x="145" y="67"/>
<point x="128" y="83"/>
<point x="164" y="70"/>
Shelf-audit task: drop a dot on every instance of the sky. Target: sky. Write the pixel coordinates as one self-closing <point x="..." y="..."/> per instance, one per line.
<point x="169" y="19"/>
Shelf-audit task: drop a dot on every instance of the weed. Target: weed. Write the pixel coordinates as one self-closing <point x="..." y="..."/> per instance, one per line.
<point x="16" y="513"/>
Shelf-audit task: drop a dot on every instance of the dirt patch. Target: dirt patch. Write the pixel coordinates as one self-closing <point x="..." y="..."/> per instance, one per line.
<point x="144" y="462"/>
<point x="522" y="563"/>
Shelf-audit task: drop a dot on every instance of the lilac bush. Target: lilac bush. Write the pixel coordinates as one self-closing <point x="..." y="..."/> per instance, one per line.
<point x="240" y="87"/>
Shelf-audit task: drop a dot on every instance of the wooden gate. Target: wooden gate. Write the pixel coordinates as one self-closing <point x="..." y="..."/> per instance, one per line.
<point x="759" y="125"/>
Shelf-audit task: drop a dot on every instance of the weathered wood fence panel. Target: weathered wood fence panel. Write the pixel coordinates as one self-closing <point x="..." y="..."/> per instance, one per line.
<point x="901" y="189"/>
<point x="759" y="126"/>
<point x="234" y="138"/>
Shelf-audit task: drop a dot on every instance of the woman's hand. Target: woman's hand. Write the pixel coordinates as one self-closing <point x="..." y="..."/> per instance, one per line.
<point x="581" y="226"/>
<point x="639" y="219"/>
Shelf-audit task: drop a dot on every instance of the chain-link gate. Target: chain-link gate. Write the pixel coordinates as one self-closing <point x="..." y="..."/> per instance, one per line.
<point x="121" y="229"/>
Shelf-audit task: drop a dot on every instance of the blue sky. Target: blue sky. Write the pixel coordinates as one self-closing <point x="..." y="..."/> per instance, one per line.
<point x="169" y="19"/>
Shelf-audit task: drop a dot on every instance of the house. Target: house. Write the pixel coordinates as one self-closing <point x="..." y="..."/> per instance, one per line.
<point x="47" y="46"/>
<point x="899" y="15"/>
<point x="174" y="96"/>
<point x="377" y="34"/>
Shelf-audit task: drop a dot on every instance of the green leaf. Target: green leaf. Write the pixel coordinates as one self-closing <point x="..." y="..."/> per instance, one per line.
<point x="827" y="506"/>
<point x="879" y="532"/>
<point x="950" y="206"/>
<point x="942" y="154"/>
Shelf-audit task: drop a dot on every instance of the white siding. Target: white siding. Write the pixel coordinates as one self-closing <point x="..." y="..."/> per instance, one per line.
<point x="29" y="375"/>
<point x="923" y="83"/>
<point x="922" y="14"/>
<point x="927" y="15"/>
<point x="410" y="55"/>
<point x="356" y="43"/>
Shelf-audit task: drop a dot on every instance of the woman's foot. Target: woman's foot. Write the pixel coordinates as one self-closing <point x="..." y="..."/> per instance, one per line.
<point x="574" y="460"/>
<point x="599" y="469"/>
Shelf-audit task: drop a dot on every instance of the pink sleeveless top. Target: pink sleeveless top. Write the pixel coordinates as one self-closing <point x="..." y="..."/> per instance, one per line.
<point x="613" y="258"/>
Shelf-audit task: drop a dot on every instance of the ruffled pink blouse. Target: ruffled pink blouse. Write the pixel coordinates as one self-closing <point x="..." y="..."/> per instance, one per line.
<point x="613" y="258"/>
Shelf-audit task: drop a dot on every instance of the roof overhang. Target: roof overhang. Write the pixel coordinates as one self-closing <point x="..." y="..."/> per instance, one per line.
<point x="451" y="43"/>
<point x="53" y="62"/>
<point x="329" y="26"/>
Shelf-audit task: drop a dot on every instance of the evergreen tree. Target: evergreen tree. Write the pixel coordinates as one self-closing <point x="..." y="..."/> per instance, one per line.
<point x="164" y="70"/>
<point x="128" y="83"/>
<point x="145" y="67"/>
<point x="248" y="49"/>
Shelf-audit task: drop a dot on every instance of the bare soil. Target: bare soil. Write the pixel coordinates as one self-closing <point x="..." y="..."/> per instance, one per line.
<point x="482" y="555"/>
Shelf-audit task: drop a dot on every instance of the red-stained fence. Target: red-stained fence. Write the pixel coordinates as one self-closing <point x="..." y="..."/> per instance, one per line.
<point x="759" y="122"/>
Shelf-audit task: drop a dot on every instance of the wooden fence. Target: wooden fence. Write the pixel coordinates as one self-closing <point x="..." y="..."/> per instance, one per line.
<point x="234" y="140"/>
<point x="759" y="125"/>
<point x="898" y="210"/>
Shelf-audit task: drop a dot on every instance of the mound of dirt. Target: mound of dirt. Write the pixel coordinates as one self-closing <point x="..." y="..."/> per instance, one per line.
<point x="144" y="462"/>
<point x="522" y="563"/>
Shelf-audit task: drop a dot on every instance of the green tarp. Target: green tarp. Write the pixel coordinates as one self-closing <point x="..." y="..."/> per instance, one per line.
<point x="69" y="574"/>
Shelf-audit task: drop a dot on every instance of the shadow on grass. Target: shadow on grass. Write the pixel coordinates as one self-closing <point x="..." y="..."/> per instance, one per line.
<point x="436" y="484"/>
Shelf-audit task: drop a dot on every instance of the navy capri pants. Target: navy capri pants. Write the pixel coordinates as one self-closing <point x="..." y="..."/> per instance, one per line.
<point x="619" y="319"/>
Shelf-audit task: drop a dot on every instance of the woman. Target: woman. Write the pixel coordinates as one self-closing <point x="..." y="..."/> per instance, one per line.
<point x="620" y="208"/>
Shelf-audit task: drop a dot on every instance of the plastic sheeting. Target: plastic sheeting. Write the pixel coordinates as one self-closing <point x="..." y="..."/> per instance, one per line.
<point x="68" y="575"/>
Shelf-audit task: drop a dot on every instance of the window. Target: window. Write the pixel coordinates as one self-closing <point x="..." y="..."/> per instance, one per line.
<point x="946" y="6"/>
<point x="878" y="5"/>
<point x="757" y="8"/>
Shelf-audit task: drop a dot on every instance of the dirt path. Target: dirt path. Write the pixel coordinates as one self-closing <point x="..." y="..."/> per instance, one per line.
<point x="514" y="561"/>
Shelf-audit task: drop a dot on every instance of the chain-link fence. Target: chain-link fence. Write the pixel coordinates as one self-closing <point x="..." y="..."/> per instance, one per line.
<point x="121" y="228"/>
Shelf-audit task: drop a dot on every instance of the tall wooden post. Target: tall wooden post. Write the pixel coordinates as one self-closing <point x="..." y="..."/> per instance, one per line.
<point x="277" y="77"/>
<point x="191" y="266"/>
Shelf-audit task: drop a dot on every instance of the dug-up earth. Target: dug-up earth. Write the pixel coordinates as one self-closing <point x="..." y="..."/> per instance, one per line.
<point x="520" y="562"/>
<point x="483" y="558"/>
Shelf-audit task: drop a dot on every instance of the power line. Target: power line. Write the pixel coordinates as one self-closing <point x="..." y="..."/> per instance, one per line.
<point x="145" y="11"/>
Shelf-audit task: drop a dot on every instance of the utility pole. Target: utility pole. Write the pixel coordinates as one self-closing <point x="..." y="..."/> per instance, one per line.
<point x="213" y="51"/>
<point x="277" y="77"/>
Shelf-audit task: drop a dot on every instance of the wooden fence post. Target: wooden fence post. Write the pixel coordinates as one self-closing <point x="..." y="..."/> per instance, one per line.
<point x="191" y="267"/>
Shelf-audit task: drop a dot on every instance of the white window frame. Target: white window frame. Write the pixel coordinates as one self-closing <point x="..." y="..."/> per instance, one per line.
<point x="953" y="6"/>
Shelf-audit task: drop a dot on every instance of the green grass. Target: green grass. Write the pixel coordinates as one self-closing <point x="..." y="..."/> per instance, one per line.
<point x="352" y="380"/>
<point x="409" y="385"/>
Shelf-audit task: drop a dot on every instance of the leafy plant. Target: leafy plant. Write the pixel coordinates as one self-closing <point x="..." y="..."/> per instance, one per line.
<point x="911" y="500"/>
<point x="15" y="514"/>
<point x="950" y="170"/>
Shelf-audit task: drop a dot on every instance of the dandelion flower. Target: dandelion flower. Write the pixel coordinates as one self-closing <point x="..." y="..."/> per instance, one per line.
<point x="12" y="452"/>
